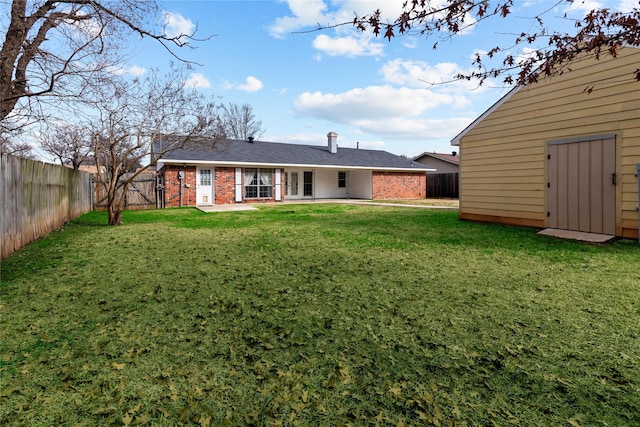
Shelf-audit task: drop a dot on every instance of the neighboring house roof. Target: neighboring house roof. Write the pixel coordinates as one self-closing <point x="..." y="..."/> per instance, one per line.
<point x="93" y="169"/>
<point x="275" y="154"/>
<point x="450" y="158"/>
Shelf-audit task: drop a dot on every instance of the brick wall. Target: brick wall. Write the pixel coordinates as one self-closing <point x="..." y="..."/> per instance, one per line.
<point x="399" y="185"/>
<point x="224" y="183"/>
<point x="386" y="185"/>
<point x="172" y="186"/>
<point x="225" y="186"/>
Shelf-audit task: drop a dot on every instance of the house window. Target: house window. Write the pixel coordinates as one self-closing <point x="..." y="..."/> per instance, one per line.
<point x="342" y="179"/>
<point x="205" y="177"/>
<point x="307" y="184"/>
<point x="258" y="183"/>
<point x="291" y="183"/>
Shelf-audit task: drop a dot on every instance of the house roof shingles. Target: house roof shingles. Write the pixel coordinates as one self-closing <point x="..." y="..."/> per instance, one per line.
<point x="276" y="153"/>
<point x="455" y="159"/>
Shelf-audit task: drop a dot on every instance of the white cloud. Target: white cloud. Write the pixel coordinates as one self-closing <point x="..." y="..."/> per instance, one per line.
<point x="177" y="25"/>
<point x="136" y="71"/>
<point x="410" y="43"/>
<point x="340" y="37"/>
<point x="390" y="10"/>
<point x="418" y="73"/>
<point x="85" y="29"/>
<point x="299" y="138"/>
<point x="424" y="128"/>
<point x="308" y="14"/>
<point x="373" y="102"/>
<point x="627" y="5"/>
<point x="349" y="46"/>
<point x="250" y="85"/>
<point x="305" y="13"/>
<point x="527" y="53"/>
<point x="584" y="6"/>
<point x="384" y="110"/>
<point x="361" y="140"/>
<point x="439" y="77"/>
<point x="133" y="70"/>
<point x="118" y="71"/>
<point x="197" y="81"/>
<point x="353" y="139"/>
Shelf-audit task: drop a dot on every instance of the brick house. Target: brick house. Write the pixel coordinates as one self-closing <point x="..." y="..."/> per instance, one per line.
<point x="236" y="171"/>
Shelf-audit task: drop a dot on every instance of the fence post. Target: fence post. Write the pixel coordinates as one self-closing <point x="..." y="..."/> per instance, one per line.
<point x="92" y="185"/>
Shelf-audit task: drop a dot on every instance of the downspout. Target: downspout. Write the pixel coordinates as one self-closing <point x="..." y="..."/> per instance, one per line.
<point x="92" y="186"/>
<point x="348" y="184"/>
<point x="159" y="191"/>
<point x="180" y="178"/>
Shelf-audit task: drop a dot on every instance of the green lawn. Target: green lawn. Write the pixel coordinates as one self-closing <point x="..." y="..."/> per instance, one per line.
<point x="318" y="315"/>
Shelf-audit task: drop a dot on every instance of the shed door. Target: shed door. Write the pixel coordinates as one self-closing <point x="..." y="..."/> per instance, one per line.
<point x="581" y="193"/>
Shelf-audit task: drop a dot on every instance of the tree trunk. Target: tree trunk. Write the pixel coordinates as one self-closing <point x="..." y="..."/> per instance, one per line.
<point x="115" y="215"/>
<point x="116" y="198"/>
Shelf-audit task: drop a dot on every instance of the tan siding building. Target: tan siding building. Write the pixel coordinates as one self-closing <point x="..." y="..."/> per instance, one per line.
<point x="561" y="153"/>
<point x="441" y="162"/>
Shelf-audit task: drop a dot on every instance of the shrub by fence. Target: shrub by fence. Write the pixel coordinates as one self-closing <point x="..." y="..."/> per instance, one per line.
<point x="442" y="185"/>
<point x="36" y="198"/>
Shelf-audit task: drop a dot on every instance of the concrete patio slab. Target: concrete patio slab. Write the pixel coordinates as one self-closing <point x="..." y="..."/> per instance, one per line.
<point x="576" y="235"/>
<point x="227" y="208"/>
<point x="250" y="207"/>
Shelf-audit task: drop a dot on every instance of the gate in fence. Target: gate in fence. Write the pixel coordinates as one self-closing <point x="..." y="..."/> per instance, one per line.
<point x="442" y="185"/>
<point x="141" y="193"/>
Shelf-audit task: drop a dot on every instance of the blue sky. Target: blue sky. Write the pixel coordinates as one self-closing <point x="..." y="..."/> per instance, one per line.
<point x="368" y="90"/>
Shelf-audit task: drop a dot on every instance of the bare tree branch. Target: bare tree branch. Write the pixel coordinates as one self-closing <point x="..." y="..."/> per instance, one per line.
<point x="68" y="143"/>
<point x="133" y="116"/>
<point x="88" y="34"/>
<point x="240" y="122"/>
<point x="601" y="32"/>
<point x="15" y="148"/>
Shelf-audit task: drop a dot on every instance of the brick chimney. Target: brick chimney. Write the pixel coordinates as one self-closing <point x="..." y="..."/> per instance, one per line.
<point x="332" y="139"/>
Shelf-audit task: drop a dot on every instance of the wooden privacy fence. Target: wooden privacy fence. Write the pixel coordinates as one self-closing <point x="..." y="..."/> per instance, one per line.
<point x="442" y="185"/>
<point x="36" y="198"/>
<point x="141" y="193"/>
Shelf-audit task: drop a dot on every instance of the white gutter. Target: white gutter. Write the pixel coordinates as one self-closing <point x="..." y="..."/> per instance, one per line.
<point x="286" y="165"/>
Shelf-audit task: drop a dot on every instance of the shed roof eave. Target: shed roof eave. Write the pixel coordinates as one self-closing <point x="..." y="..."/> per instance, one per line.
<point x="456" y="139"/>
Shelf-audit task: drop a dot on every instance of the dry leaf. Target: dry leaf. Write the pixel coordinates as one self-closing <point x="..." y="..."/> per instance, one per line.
<point x="126" y="419"/>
